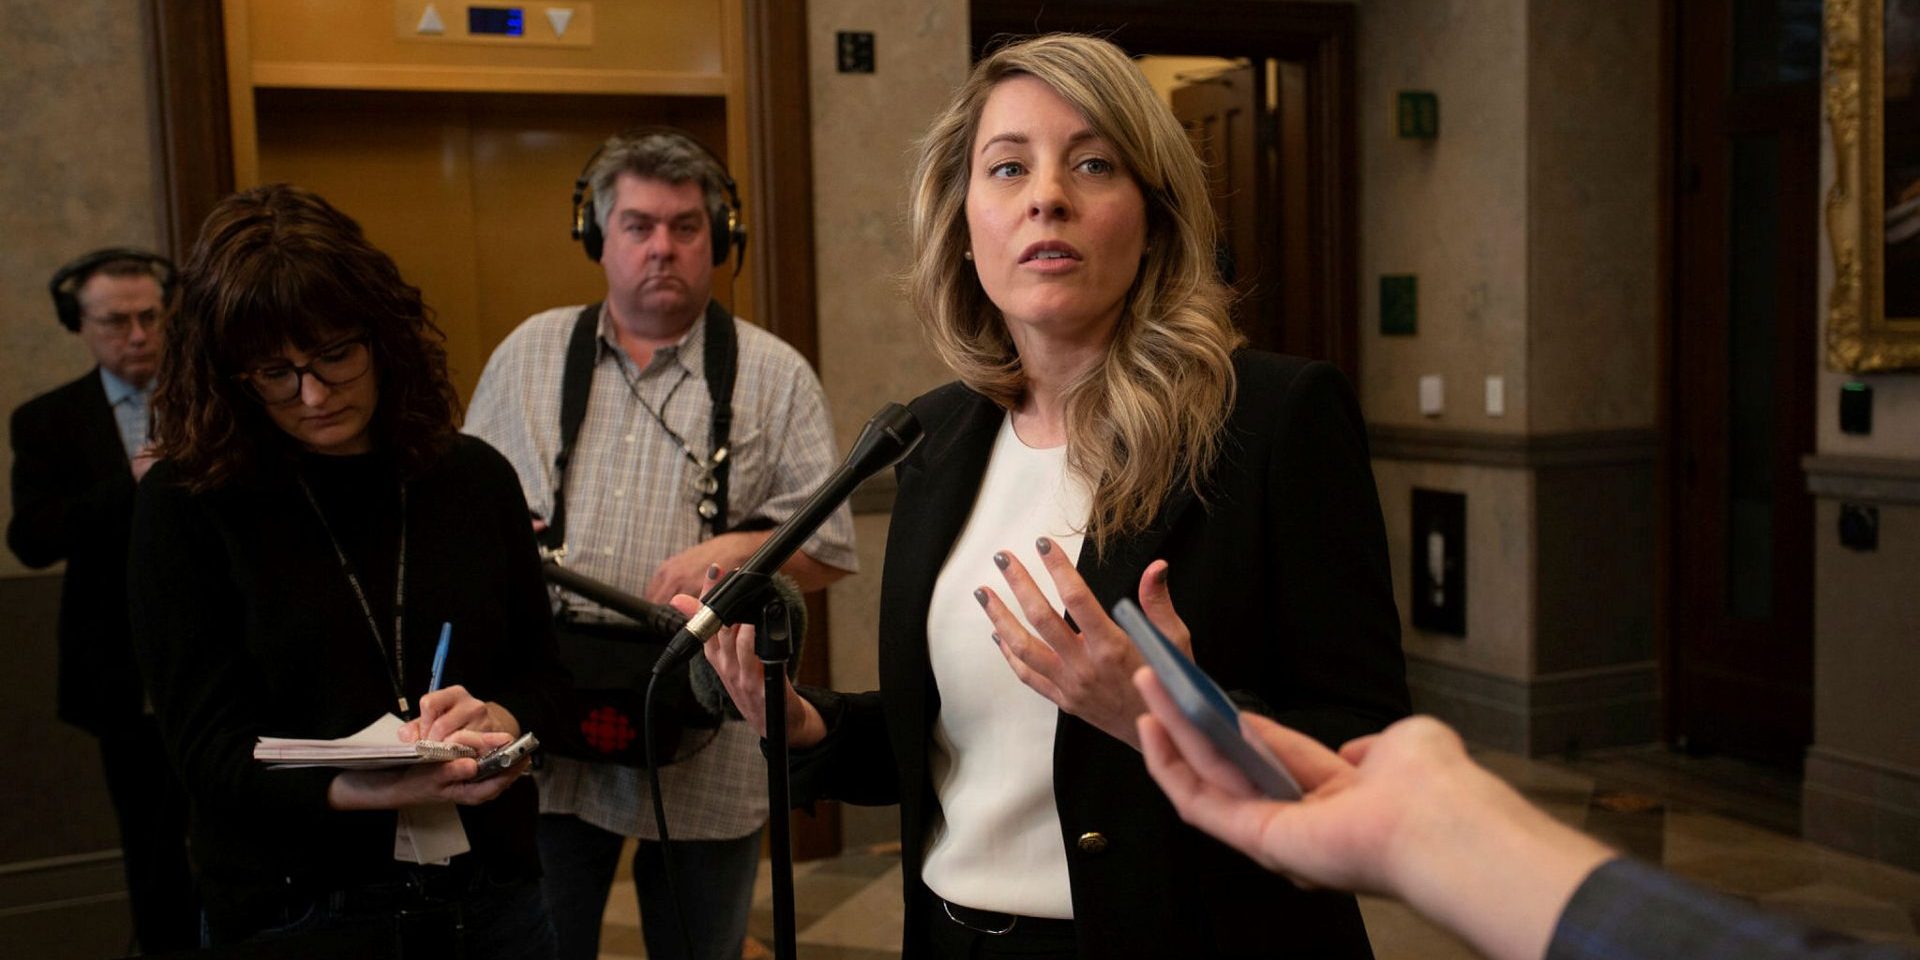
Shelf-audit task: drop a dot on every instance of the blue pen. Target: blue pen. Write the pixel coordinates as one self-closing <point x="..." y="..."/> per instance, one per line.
<point x="440" y="656"/>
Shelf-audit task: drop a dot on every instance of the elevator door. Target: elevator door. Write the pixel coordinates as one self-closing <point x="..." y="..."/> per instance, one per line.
<point x="470" y="193"/>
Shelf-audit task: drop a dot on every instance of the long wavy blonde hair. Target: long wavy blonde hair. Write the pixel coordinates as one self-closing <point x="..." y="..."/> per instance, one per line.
<point x="1149" y="416"/>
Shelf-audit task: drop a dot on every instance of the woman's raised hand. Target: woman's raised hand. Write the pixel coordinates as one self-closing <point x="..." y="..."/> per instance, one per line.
<point x="1087" y="671"/>
<point x="730" y="651"/>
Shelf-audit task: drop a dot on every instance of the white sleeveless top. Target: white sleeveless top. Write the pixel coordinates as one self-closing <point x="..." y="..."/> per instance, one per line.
<point x="999" y="846"/>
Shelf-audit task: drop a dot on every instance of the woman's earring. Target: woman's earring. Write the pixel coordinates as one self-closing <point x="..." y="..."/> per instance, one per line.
<point x="966" y="255"/>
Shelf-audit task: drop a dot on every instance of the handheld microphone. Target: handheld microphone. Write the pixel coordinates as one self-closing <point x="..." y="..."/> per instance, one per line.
<point x="889" y="436"/>
<point x="657" y="619"/>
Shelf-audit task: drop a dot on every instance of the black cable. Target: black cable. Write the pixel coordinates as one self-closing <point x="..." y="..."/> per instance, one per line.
<point x="660" y="817"/>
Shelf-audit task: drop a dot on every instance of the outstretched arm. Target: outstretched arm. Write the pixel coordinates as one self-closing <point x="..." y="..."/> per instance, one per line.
<point x="1404" y="813"/>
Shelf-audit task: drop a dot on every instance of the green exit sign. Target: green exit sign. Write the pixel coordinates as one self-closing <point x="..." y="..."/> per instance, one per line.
<point x="1419" y="115"/>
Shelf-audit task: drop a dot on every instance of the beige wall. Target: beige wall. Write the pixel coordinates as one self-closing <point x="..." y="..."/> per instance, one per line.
<point x="1531" y="223"/>
<point x="864" y="128"/>
<point x="1452" y="211"/>
<point x="1863" y="772"/>
<point x="871" y="349"/>
<point x="1593" y="214"/>
<point x="1500" y="562"/>
<point x="78" y="174"/>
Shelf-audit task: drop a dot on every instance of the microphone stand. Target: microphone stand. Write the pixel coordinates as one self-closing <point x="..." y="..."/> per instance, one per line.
<point x="773" y="644"/>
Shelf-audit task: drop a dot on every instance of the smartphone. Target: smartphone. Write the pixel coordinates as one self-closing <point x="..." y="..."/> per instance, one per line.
<point x="498" y="761"/>
<point x="1205" y="705"/>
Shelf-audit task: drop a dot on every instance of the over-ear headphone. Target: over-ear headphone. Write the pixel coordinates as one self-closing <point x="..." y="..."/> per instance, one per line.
<point x="67" y="281"/>
<point x="726" y="227"/>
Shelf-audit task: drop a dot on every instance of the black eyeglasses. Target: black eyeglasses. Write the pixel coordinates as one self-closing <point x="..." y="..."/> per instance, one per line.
<point x="336" y="365"/>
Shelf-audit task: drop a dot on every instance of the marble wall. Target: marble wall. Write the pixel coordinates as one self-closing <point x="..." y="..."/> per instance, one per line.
<point x="78" y="174"/>
<point x="1593" y="215"/>
<point x="1531" y="224"/>
<point x="871" y="348"/>
<point x="1862" y="787"/>
<point x="1451" y="211"/>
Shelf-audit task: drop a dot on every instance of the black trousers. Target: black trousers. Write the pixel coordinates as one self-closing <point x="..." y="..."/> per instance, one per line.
<point x="151" y="807"/>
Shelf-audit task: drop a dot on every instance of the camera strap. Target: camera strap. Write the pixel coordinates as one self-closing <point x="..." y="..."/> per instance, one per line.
<point x="719" y="361"/>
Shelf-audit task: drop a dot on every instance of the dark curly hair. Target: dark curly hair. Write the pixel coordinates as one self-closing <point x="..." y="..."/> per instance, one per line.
<point x="277" y="266"/>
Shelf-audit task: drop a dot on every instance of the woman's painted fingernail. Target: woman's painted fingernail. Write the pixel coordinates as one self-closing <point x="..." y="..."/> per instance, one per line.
<point x="1043" y="545"/>
<point x="1000" y="560"/>
<point x="713" y="571"/>
<point x="980" y="594"/>
<point x="996" y="639"/>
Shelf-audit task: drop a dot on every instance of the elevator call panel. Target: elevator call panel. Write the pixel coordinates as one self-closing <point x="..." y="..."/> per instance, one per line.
<point x="479" y="21"/>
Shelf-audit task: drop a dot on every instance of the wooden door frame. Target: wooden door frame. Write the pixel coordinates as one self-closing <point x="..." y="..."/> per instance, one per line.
<point x="193" y="140"/>
<point x="1320" y="36"/>
<point x="1794" y="377"/>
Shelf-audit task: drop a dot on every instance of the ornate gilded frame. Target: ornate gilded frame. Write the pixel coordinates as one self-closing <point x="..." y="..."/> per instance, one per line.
<point x="1860" y="336"/>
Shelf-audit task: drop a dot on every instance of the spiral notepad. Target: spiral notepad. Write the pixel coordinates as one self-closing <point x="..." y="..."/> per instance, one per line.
<point x="376" y="746"/>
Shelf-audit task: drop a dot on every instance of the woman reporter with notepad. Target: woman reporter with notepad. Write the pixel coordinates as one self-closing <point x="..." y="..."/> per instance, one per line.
<point x="314" y="519"/>
<point x="1105" y="439"/>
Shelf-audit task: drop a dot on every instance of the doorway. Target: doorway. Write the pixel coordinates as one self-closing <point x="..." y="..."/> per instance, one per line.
<point x="1740" y="402"/>
<point x="1271" y="110"/>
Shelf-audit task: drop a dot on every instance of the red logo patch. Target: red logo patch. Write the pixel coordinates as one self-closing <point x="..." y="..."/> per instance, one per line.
<point x="607" y="730"/>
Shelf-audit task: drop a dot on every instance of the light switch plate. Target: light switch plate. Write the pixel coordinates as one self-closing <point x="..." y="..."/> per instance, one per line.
<point x="1496" y="396"/>
<point x="1432" y="396"/>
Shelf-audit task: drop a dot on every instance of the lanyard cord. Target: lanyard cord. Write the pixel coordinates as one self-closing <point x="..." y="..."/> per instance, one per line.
<point x="707" y="483"/>
<point x="397" y="669"/>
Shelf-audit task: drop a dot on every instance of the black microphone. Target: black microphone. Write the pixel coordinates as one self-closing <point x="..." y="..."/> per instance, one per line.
<point x="657" y="619"/>
<point x="890" y="435"/>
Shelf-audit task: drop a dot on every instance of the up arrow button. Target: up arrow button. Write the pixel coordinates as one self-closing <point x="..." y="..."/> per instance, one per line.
<point x="430" y="22"/>
<point x="559" y="17"/>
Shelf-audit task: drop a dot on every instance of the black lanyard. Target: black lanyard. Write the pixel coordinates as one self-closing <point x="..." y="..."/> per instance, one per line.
<point x="705" y="480"/>
<point x="398" y="668"/>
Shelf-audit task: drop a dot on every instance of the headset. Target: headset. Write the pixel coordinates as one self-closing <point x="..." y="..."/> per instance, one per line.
<point x="726" y="226"/>
<point x="68" y="280"/>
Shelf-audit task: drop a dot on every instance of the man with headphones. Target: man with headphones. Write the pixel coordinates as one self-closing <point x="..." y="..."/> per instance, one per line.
<point x="78" y="450"/>
<point x="656" y="437"/>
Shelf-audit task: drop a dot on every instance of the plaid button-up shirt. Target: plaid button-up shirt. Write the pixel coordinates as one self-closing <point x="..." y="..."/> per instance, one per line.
<point x="631" y="503"/>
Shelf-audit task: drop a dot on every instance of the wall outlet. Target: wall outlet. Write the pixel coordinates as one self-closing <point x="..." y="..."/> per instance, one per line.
<point x="1432" y="395"/>
<point x="1496" y="396"/>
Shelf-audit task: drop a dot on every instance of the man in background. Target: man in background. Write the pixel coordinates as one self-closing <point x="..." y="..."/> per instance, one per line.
<point x="654" y="496"/>
<point x="78" y="451"/>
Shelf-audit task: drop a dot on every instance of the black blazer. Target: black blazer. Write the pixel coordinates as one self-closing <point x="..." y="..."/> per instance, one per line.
<point x="1280" y="570"/>
<point x="73" y="501"/>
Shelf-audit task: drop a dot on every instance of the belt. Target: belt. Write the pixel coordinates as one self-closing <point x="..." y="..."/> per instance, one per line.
<point x="413" y="888"/>
<point x="996" y="924"/>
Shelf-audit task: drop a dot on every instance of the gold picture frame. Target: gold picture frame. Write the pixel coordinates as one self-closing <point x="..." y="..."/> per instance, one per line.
<point x="1861" y="335"/>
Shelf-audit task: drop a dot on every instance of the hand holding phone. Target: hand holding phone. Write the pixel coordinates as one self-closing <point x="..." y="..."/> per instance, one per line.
<point x="501" y="760"/>
<point x="1205" y="705"/>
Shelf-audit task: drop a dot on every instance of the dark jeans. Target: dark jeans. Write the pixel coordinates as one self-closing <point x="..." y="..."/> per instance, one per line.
<point x="714" y="878"/>
<point x="151" y="808"/>
<point x="476" y="918"/>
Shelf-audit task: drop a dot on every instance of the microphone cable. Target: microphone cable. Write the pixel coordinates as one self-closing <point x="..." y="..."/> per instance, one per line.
<point x="660" y="818"/>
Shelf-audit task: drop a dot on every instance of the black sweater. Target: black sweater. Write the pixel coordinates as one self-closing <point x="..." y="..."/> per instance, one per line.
<point x="246" y="626"/>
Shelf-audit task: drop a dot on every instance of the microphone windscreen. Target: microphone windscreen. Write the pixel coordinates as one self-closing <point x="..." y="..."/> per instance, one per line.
<point x="707" y="688"/>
